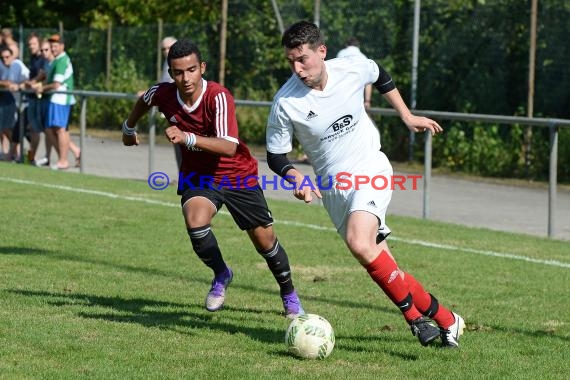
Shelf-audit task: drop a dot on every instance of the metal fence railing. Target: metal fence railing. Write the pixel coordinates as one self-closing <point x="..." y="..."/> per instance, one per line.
<point x="552" y="124"/>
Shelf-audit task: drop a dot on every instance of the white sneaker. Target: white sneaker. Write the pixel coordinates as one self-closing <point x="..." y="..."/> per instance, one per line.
<point x="42" y="162"/>
<point x="450" y="337"/>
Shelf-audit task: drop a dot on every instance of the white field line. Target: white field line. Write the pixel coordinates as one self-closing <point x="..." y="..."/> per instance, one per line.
<point x="422" y="243"/>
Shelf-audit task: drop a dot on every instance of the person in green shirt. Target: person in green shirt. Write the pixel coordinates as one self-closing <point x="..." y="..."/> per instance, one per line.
<point x="60" y="78"/>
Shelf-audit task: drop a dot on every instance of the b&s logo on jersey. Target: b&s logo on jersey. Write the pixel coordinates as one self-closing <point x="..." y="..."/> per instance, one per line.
<point x="339" y="128"/>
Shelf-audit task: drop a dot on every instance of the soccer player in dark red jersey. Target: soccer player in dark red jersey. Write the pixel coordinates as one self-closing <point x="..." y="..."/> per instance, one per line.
<point x="217" y="168"/>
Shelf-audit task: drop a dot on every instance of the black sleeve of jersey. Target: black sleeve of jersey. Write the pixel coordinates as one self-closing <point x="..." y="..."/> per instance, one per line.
<point x="384" y="83"/>
<point x="279" y="163"/>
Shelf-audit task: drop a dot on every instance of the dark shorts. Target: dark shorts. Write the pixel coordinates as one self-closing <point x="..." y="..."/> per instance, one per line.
<point x="16" y="130"/>
<point x="8" y="115"/>
<point x="36" y="114"/>
<point x="248" y="207"/>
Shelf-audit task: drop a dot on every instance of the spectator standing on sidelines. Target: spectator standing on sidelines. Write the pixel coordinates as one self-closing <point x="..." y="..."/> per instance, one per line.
<point x="37" y="74"/>
<point x="13" y="73"/>
<point x="165" y="46"/>
<point x="7" y="39"/>
<point x="44" y="100"/>
<point x="165" y="77"/>
<point x="60" y="78"/>
<point x="5" y="104"/>
<point x="203" y="122"/>
<point x="322" y="105"/>
<point x="352" y="49"/>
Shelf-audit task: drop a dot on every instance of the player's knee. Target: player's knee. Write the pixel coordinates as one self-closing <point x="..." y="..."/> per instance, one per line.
<point x="263" y="238"/>
<point x="202" y="238"/>
<point x="268" y="249"/>
<point x="357" y="246"/>
<point x="362" y="250"/>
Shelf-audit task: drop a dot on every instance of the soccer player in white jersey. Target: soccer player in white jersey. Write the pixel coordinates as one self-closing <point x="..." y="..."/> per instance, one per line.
<point x="322" y="105"/>
<point x="215" y="165"/>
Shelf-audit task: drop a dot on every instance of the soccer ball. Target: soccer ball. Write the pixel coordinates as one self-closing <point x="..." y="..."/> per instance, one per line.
<point x="310" y="336"/>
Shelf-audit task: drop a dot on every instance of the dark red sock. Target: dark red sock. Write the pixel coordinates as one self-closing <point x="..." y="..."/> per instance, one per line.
<point x="427" y="304"/>
<point x="384" y="272"/>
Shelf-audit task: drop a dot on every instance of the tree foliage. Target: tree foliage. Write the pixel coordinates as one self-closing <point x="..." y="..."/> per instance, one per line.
<point x="473" y="54"/>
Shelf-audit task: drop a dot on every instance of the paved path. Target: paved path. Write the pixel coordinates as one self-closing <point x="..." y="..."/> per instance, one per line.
<point x="466" y="202"/>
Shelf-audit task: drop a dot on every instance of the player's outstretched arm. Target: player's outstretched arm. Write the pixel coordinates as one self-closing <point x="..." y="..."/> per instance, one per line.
<point x="413" y="122"/>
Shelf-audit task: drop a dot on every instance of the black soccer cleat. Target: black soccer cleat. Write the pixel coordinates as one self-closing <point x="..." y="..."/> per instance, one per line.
<point x="424" y="330"/>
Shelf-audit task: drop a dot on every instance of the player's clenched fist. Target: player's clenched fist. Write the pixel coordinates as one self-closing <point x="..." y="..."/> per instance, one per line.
<point x="130" y="136"/>
<point x="174" y="135"/>
<point x="130" y="140"/>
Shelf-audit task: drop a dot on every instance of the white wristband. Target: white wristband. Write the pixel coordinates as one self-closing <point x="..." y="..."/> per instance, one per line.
<point x="190" y="140"/>
<point x="128" y="130"/>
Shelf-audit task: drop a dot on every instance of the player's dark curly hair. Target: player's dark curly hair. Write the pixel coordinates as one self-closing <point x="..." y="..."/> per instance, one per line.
<point x="182" y="48"/>
<point x="300" y="33"/>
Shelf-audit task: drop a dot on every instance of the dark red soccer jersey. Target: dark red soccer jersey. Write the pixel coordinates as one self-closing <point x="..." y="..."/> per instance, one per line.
<point x="213" y="115"/>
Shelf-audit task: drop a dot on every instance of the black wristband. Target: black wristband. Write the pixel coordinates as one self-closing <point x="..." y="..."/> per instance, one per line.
<point x="279" y="163"/>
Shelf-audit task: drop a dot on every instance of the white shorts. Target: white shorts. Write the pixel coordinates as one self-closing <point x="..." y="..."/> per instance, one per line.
<point x="341" y="202"/>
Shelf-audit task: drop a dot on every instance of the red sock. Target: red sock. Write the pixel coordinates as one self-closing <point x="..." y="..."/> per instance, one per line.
<point x="427" y="304"/>
<point x="384" y="272"/>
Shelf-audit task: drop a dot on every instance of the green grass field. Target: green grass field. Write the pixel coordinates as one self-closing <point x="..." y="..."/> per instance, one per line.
<point x="98" y="280"/>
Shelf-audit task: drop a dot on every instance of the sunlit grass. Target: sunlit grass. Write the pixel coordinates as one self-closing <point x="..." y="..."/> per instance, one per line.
<point x="99" y="282"/>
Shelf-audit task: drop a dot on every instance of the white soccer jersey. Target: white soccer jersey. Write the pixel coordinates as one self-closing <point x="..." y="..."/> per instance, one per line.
<point x="332" y="125"/>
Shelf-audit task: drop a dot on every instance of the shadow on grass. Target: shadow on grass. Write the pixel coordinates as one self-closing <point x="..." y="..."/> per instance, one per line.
<point x="205" y="281"/>
<point x="180" y="317"/>
<point x="535" y="334"/>
<point x="152" y="313"/>
<point x="374" y="343"/>
<point x="22" y="251"/>
<point x="89" y="260"/>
